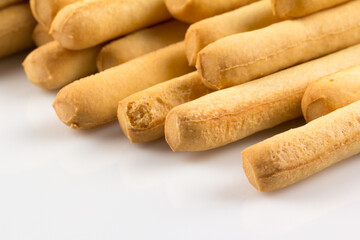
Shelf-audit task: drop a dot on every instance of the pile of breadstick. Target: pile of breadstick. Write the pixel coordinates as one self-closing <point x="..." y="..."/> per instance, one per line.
<point x="202" y="73"/>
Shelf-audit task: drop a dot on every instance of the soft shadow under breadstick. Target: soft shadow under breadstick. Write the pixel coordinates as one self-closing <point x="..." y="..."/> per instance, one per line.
<point x="331" y="92"/>
<point x="229" y="115"/>
<point x="45" y="11"/>
<point x="194" y="10"/>
<point x="251" y="17"/>
<point x="41" y="35"/>
<point x="52" y="67"/>
<point x="142" y="115"/>
<point x="91" y="22"/>
<point x="16" y="29"/>
<point x="6" y="3"/>
<point x="141" y="42"/>
<point x="93" y="101"/>
<point x="299" y="153"/>
<point x="246" y="56"/>
<point x="293" y="9"/>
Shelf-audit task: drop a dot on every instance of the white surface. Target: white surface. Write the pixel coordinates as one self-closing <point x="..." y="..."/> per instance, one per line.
<point x="58" y="183"/>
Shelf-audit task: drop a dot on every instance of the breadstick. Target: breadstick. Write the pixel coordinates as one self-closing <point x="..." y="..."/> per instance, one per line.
<point x="6" y="3"/>
<point x="93" y="101"/>
<point x="41" y="35"/>
<point x="90" y="22"/>
<point x="299" y="153"/>
<point x="246" y="56"/>
<point x="229" y="115"/>
<point x="293" y="9"/>
<point x="52" y="67"/>
<point x="140" y="43"/>
<point x="16" y="28"/>
<point x="253" y="16"/>
<point x="45" y="11"/>
<point x="194" y="10"/>
<point x="142" y="115"/>
<point x="331" y="92"/>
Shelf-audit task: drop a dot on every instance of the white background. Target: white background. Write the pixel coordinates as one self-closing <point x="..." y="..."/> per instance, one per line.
<point x="58" y="183"/>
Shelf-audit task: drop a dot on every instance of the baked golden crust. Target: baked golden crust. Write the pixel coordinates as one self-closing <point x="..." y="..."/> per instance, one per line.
<point x="246" y="56"/>
<point x="331" y="92"/>
<point x="139" y="43"/>
<point x="292" y="9"/>
<point x="229" y="115"/>
<point x="41" y="35"/>
<point x="142" y="115"/>
<point x="299" y="153"/>
<point x="253" y="16"/>
<point x="52" y="67"/>
<point x="194" y="10"/>
<point x="77" y="25"/>
<point x="93" y="101"/>
<point x="16" y="29"/>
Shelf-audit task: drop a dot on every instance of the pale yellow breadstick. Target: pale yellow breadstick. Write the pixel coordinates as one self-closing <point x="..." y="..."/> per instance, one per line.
<point x="142" y="115"/>
<point x="246" y="56"/>
<point x="194" y="10"/>
<point x="253" y="16"/>
<point x="45" y="11"/>
<point x="52" y="67"/>
<point x="90" y="22"/>
<point x="41" y="35"/>
<point x="140" y="43"/>
<point x="6" y="3"/>
<point x="299" y="153"/>
<point x="93" y="101"/>
<point x="331" y="92"/>
<point x="16" y="27"/>
<point x="299" y="8"/>
<point x="229" y="115"/>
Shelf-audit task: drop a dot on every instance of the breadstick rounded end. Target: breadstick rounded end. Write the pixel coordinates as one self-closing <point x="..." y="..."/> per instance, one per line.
<point x="66" y="113"/>
<point x="192" y="45"/>
<point x="209" y="71"/>
<point x="249" y="170"/>
<point x="172" y="131"/>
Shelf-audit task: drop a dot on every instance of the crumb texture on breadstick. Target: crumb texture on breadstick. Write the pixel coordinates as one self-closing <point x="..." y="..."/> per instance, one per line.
<point x="194" y="10"/>
<point x="45" y="11"/>
<point x="6" y="3"/>
<point x="251" y="17"/>
<point x="246" y="56"/>
<point x="41" y="35"/>
<point x="16" y="29"/>
<point x="229" y="115"/>
<point x="142" y="115"/>
<point x="299" y="153"/>
<point x="331" y="92"/>
<point x="299" y="8"/>
<point x="139" y="43"/>
<point x="52" y="67"/>
<point x="90" y="22"/>
<point x="93" y="100"/>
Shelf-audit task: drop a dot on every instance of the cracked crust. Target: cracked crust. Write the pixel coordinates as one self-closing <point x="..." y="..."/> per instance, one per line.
<point x="246" y="56"/>
<point x="299" y="153"/>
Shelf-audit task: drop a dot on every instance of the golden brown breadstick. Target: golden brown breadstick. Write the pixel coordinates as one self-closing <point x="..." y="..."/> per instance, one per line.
<point x="299" y="153"/>
<point x="16" y="28"/>
<point x="90" y="22"/>
<point x="52" y="67"/>
<point x="45" y="11"/>
<point x="246" y="56"/>
<point x="140" y="43"/>
<point x="6" y="3"/>
<point x="253" y="16"/>
<point x="142" y="115"/>
<point x="41" y="35"/>
<point x="93" y="101"/>
<point x="293" y="9"/>
<point x="331" y="92"/>
<point x="194" y="10"/>
<point x="229" y="115"/>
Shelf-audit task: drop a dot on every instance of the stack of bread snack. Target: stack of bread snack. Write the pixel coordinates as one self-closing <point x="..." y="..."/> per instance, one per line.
<point x="202" y="73"/>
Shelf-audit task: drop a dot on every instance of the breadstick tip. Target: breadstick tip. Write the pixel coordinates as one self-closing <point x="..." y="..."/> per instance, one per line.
<point x="208" y="71"/>
<point x="172" y="131"/>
